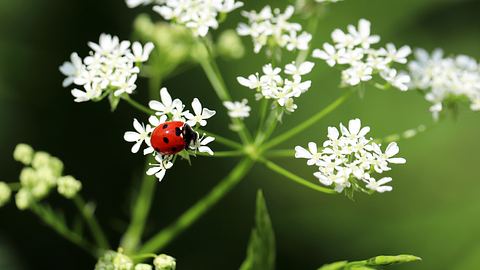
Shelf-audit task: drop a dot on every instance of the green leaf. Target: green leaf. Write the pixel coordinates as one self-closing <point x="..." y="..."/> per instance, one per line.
<point x="389" y="260"/>
<point x="261" y="248"/>
<point x="370" y="264"/>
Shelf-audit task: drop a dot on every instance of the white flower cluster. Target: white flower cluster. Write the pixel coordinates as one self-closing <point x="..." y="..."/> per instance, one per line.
<point x="353" y="49"/>
<point x="271" y="85"/>
<point x="271" y="27"/>
<point x="169" y="109"/>
<point x="446" y="79"/>
<point x="118" y="260"/>
<point x="198" y="15"/>
<point x="238" y="109"/>
<point x="348" y="159"/>
<point x="41" y="174"/>
<point x="110" y="69"/>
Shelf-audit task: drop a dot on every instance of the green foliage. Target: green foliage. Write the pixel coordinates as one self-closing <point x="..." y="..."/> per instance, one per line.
<point x="370" y="264"/>
<point x="261" y="248"/>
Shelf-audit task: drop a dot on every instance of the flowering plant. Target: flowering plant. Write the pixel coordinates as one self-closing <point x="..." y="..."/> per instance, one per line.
<point x="170" y="130"/>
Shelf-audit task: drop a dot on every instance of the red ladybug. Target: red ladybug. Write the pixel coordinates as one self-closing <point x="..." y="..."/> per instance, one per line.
<point x="172" y="137"/>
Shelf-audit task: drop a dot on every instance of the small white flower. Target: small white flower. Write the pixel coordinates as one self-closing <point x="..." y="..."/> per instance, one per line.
<point x="23" y="153"/>
<point x="125" y="85"/>
<point x="167" y="105"/>
<point x="159" y="169"/>
<point x="311" y="154"/>
<point x="72" y="69"/>
<point x="238" y="109"/>
<point x="379" y="186"/>
<point x="251" y="82"/>
<point x="362" y="34"/>
<point x="139" y="53"/>
<point x="200" y="116"/>
<point x="92" y="91"/>
<point x="139" y="136"/>
<point x="329" y="54"/>
<point x="201" y="144"/>
<point x="400" y="81"/>
<point x="399" y="56"/>
<point x="303" y="69"/>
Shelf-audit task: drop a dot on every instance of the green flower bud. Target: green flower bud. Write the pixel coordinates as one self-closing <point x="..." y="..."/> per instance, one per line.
<point x="56" y="165"/>
<point x="388" y="260"/>
<point x="112" y="260"/>
<point x="143" y="266"/>
<point x="68" y="186"/>
<point x="41" y="159"/>
<point x="122" y="262"/>
<point x="40" y="190"/>
<point x="23" y="198"/>
<point x="47" y="176"/>
<point x="23" y="153"/>
<point x="164" y="262"/>
<point x="28" y="177"/>
<point x="230" y="45"/>
<point x="5" y="193"/>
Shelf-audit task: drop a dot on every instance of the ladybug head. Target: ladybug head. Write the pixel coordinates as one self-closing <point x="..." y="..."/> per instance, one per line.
<point x="190" y="136"/>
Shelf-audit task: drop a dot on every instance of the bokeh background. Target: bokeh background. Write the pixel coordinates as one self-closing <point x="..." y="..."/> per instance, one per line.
<point x="434" y="211"/>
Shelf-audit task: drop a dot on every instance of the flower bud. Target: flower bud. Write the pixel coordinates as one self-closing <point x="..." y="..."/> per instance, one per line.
<point x="68" y="186"/>
<point x="388" y="260"/>
<point x="5" y="193"/>
<point x="164" y="262"/>
<point x="23" y="153"/>
<point x="143" y="266"/>
<point x="122" y="262"/>
<point x="56" y="165"/>
<point x="230" y="45"/>
<point x="40" y="190"/>
<point x="28" y="177"/>
<point x="40" y="159"/>
<point x="23" y="198"/>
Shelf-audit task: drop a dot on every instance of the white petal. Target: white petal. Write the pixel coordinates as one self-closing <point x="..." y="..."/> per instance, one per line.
<point x="197" y="106"/>
<point x="165" y="97"/>
<point x="131" y="136"/>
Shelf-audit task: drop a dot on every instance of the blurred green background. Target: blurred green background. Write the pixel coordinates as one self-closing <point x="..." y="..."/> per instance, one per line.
<point x="434" y="211"/>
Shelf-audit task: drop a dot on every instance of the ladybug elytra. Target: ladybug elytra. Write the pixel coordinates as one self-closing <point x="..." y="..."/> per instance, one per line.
<point x="172" y="137"/>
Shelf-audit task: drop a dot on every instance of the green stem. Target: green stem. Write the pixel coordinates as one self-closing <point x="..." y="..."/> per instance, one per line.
<point x="312" y="27"/>
<point x="215" y="77"/>
<point x="132" y="237"/>
<point x="221" y="139"/>
<point x="309" y="122"/>
<point x="280" y="153"/>
<point x="164" y="237"/>
<point x="92" y="222"/>
<point x="56" y="223"/>
<point x="14" y="186"/>
<point x="138" y="106"/>
<point x="269" y="127"/>
<point x="408" y="134"/>
<point x="297" y="179"/>
<point x="237" y="153"/>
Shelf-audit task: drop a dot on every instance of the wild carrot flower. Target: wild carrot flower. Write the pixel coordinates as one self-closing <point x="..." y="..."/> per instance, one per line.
<point x="354" y="50"/>
<point x="272" y="27"/>
<point x="271" y="85"/>
<point x="110" y="69"/>
<point x="349" y="159"/>
<point x="446" y="79"/>
<point x="238" y="109"/>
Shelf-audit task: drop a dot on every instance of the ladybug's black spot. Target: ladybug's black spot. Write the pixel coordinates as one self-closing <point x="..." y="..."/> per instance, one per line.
<point x="174" y="149"/>
<point x="165" y="126"/>
<point x="165" y="139"/>
<point x="178" y="131"/>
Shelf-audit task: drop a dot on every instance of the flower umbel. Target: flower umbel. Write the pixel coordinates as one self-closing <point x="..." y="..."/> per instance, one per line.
<point x="349" y="160"/>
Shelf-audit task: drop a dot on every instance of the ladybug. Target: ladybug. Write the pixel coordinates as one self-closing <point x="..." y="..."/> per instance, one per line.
<point x="172" y="137"/>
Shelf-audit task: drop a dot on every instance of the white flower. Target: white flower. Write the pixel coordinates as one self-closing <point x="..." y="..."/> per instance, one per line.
<point x="198" y="15"/>
<point x="311" y="154"/>
<point x="110" y="68"/>
<point x="238" y="109"/>
<point x="271" y="85"/>
<point x="200" y="116"/>
<point x="445" y="79"/>
<point x="167" y="105"/>
<point x="353" y="49"/>
<point x="139" y="136"/>
<point x="136" y="3"/>
<point x="159" y="169"/>
<point x="348" y="159"/>
<point x="68" y="186"/>
<point x="272" y="27"/>
<point x="379" y="186"/>
<point x="201" y="144"/>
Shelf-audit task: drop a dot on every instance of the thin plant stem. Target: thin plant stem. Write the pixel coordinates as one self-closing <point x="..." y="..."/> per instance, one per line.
<point x="221" y="154"/>
<point x="295" y="178"/>
<point x="407" y="134"/>
<point x="212" y="71"/>
<point x="164" y="237"/>
<point x="312" y="27"/>
<point x="92" y="222"/>
<point x="56" y="223"/>
<point x="138" y="106"/>
<point x="132" y="237"/>
<point x="222" y="140"/>
<point x="280" y="153"/>
<point x="307" y="123"/>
